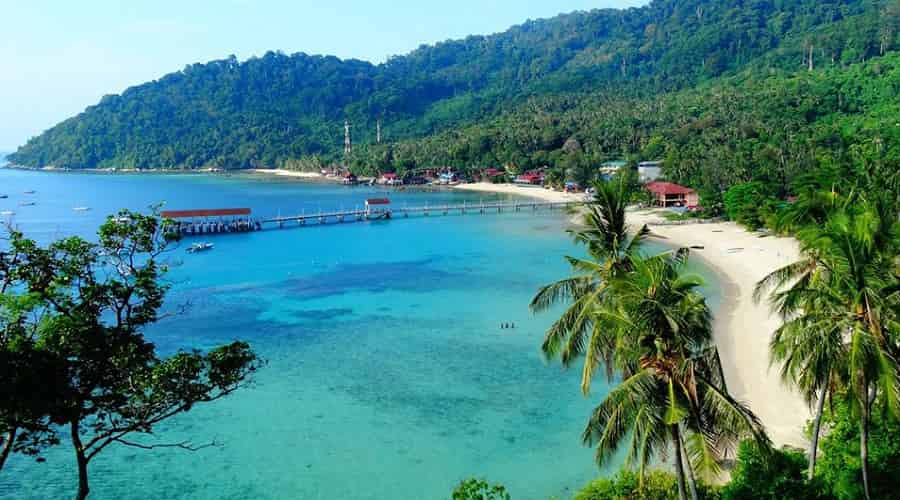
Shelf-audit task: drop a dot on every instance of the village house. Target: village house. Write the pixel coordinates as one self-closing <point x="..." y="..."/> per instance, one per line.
<point x="667" y="194"/>
<point x="611" y="168"/>
<point x="533" y="178"/>
<point x="649" y="170"/>
<point x="390" y="179"/>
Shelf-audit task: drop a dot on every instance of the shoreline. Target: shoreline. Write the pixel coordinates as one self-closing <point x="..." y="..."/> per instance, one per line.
<point x="519" y="190"/>
<point x="742" y="328"/>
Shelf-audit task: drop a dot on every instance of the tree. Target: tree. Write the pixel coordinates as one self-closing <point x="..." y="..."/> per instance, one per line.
<point x="844" y="295"/>
<point x="840" y="464"/>
<point x="743" y="203"/>
<point x="673" y="396"/>
<point x="479" y="489"/>
<point x="97" y="298"/>
<point x="579" y="331"/>
<point x="769" y="474"/>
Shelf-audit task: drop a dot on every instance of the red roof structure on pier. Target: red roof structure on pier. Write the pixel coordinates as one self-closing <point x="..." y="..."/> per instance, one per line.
<point x="211" y="212"/>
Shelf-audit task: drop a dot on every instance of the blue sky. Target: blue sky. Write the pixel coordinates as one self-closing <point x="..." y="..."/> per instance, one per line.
<point x="59" y="56"/>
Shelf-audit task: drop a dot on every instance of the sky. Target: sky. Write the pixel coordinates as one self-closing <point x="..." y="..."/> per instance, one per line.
<point x="59" y="56"/>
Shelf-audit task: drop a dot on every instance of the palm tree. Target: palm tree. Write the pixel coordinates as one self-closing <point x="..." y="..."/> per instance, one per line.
<point x="840" y="301"/>
<point x="673" y="397"/>
<point x="605" y="234"/>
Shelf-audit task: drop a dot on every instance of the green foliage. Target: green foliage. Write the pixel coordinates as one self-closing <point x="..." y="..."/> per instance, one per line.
<point x="839" y="467"/>
<point x="627" y="485"/>
<point x="771" y="474"/>
<point x="715" y="88"/>
<point x="74" y="356"/>
<point x="479" y="489"/>
<point x="744" y="203"/>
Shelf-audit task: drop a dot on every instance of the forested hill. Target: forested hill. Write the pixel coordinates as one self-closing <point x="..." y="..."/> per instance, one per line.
<point x="285" y="109"/>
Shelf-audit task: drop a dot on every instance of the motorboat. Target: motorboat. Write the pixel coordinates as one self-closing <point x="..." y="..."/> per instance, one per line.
<point x="27" y="204"/>
<point x="200" y="247"/>
<point x="30" y="191"/>
<point x="7" y="213"/>
<point x="81" y="209"/>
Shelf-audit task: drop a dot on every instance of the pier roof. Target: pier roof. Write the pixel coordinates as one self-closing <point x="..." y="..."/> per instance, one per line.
<point x="207" y="212"/>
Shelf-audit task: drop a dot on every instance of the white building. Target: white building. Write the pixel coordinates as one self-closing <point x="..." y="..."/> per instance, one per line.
<point x="649" y="171"/>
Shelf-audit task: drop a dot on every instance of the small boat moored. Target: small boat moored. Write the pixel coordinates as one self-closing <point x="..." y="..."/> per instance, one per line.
<point x="200" y="247"/>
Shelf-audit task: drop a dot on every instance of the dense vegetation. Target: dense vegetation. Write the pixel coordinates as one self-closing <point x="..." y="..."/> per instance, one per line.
<point x="73" y="357"/>
<point x="719" y="89"/>
<point x="639" y="318"/>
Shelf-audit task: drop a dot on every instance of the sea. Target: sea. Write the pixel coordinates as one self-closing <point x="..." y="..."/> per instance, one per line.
<point x="387" y="376"/>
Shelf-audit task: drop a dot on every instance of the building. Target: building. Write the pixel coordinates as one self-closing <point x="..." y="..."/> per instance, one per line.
<point x="390" y="179"/>
<point x="667" y="194"/>
<point x="649" y="170"/>
<point x="378" y="208"/>
<point x="531" y="178"/>
<point x="611" y="168"/>
<point x="448" y="177"/>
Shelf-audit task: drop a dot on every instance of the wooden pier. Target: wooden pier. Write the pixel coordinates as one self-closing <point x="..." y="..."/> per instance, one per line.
<point x="359" y="215"/>
<point x="222" y="221"/>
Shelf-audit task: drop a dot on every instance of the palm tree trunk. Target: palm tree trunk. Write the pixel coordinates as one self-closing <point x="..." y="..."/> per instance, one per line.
<point x="81" y="459"/>
<point x="8" y="442"/>
<point x="692" y="481"/>
<point x="817" y="427"/>
<point x="864" y="441"/>
<point x="679" y="468"/>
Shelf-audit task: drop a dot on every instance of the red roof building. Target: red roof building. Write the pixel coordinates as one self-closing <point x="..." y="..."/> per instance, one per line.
<point x="668" y="194"/>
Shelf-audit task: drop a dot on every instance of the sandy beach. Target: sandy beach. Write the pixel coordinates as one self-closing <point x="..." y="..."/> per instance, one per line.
<point x="286" y="173"/>
<point x="533" y="192"/>
<point x="743" y="328"/>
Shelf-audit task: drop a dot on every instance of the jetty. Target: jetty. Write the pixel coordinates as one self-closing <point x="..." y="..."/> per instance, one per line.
<point x="240" y="220"/>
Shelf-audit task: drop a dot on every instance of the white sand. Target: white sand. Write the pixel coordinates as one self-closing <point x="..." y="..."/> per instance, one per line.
<point x="743" y="328"/>
<point x="286" y="173"/>
<point x="533" y="192"/>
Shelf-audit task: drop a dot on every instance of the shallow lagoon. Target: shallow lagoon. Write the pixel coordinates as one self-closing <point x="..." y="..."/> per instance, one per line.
<point x="388" y="375"/>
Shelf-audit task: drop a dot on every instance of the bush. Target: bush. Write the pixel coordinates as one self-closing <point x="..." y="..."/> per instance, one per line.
<point x="625" y="485"/>
<point x="839" y="467"/>
<point x="745" y="204"/>
<point x="776" y="474"/>
<point x="479" y="489"/>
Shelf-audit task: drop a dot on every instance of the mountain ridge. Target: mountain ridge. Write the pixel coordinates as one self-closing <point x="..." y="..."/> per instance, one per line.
<point x="277" y="109"/>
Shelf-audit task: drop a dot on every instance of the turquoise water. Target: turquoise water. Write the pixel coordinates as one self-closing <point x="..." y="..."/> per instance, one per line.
<point x="388" y="375"/>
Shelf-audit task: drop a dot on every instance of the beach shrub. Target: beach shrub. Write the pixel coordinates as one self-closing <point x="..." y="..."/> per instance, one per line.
<point x="479" y="489"/>
<point x="658" y="485"/>
<point x="745" y="204"/>
<point x="839" y="466"/>
<point x="771" y="474"/>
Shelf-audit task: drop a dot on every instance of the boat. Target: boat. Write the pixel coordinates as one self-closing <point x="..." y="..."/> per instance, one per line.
<point x="30" y="191"/>
<point x="81" y="209"/>
<point x="200" y="247"/>
<point x="27" y="204"/>
<point x="4" y="196"/>
<point x="7" y="213"/>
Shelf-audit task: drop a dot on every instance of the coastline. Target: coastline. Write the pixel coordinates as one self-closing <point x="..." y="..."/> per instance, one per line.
<point x="743" y="328"/>
<point x="518" y="190"/>
<point x="277" y="172"/>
